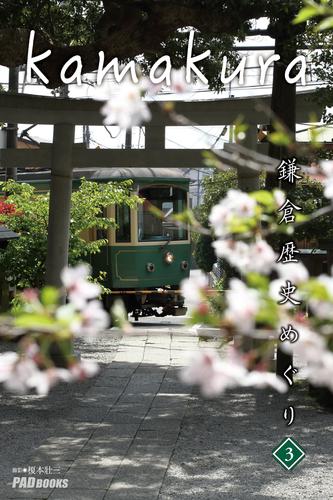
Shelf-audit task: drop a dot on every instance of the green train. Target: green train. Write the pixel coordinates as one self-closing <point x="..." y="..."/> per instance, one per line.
<point x="146" y="257"/>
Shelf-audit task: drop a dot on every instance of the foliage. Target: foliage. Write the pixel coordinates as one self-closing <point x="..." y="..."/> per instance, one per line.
<point x="204" y="253"/>
<point x="322" y="9"/>
<point x="215" y="187"/>
<point x="309" y="194"/>
<point x="23" y="262"/>
<point x="68" y="22"/>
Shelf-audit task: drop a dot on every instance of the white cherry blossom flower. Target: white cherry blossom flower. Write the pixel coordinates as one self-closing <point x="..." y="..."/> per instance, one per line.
<point x="8" y="361"/>
<point x="261" y="380"/>
<point x="79" y="289"/>
<point x="320" y="372"/>
<point x="310" y="346"/>
<point x="212" y="374"/>
<point x="237" y="253"/>
<point x="327" y="167"/>
<point x="127" y="109"/>
<point x="83" y="370"/>
<point x="295" y="272"/>
<point x="279" y="197"/>
<point x="43" y="381"/>
<point x="256" y="257"/>
<point x="193" y="290"/>
<point x="261" y="258"/>
<point x="235" y="205"/>
<point x="94" y="320"/>
<point x="179" y="84"/>
<point x="243" y="305"/>
<point x="17" y="380"/>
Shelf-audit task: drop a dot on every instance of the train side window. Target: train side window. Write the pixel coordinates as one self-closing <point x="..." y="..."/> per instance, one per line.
<point x="123" y="220"/>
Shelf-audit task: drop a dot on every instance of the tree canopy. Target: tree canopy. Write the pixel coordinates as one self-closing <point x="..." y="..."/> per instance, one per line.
<point x="26" y="212"/>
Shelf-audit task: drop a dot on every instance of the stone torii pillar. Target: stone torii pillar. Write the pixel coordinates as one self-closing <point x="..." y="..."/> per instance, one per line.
<point x="60" y="202"/>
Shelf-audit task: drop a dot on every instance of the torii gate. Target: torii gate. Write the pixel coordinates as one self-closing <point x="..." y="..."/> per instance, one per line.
<point x="62" y="157"/>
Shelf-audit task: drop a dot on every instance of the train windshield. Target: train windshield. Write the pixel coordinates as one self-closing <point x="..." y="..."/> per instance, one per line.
<point x="169" y="201"/>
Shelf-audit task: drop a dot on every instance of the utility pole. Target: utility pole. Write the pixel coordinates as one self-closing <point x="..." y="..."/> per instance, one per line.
<point x="13" y="88"/>
<point x="128" y="139"/>
<point x="86" y="136"/>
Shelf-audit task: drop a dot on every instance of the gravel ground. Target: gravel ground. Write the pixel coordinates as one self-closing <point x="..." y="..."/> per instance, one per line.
<point x="225" y="449"/>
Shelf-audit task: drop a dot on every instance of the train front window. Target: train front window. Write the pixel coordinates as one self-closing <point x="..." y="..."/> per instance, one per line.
<point x="169" y="201"/>
<point x="123" y="221"/>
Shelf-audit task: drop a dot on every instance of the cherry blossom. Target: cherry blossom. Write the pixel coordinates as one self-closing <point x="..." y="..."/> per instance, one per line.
<point x="91" y="321"/>
<point x="242" y="305"/>
<point x="179" y="84"/>
<point x="257" y="257"/>
<point x="193" y="289"/>
<point x="309" y="347"/>
<point x="261" y="380"/>
<point x="295" y="272"/>
<point x="235" y="205"/>
<point x="237" y="253"/>
<point x="30" y="295"/>
<point x="79" y="289"/>
<point x="43" y="381"/>
<point x="18" y="377"/>
<point x="7" y="364"/>
<point x="127" y="109"/>
<point x="320" y="372"/>
<point x="279" y="197"/>
<point x="212" y="374"/>
<point x="83" y="370"/>
<point x="327" y="167"/>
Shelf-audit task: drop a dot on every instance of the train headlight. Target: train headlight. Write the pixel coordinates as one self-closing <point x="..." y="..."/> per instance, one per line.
<point x="184" y="265"/>
<point x="150" y="267"/>
<point x="169" y="258"/>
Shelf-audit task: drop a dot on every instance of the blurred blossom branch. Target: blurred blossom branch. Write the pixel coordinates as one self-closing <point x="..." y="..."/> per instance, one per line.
<point x="45" y="331"/>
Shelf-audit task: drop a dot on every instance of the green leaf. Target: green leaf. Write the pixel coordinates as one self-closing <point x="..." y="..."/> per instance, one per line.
<point x="268" y="314"/>
<point x="316" y="290"/>
<point x="279" y="138"/>
<point x="31" y="321"/>
<point x="306" y="13"/>
<point x="255" y="280"/>
<point x="263" y="197"/>
<point x="326" y="24"/>
<point x="49" y="296"/>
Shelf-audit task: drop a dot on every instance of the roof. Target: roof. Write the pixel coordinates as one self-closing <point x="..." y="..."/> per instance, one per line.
<point x="7" y="234"/>
<point x="136" y="173"/>
<point x="152" y="174"/>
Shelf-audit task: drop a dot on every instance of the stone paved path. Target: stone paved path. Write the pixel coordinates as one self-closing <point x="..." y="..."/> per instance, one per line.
<point x="117" y="443"/>
<point x="137" y="433"/>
